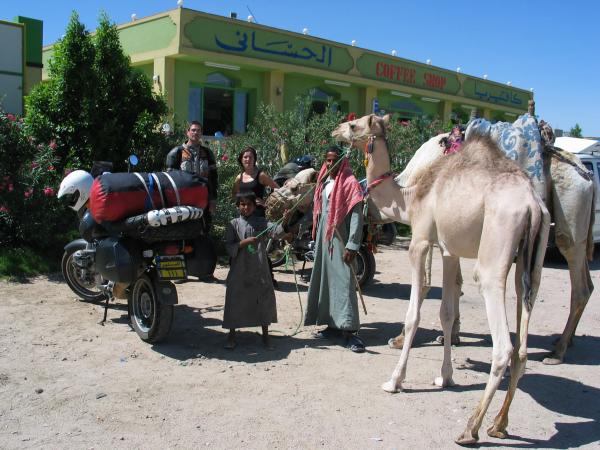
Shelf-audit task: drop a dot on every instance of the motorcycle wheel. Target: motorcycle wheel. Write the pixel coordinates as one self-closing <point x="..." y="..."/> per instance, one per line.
<point x="365" y="266"/>
<point x="276" y="252"/>
<point x="85" y="289"/>
<point x="150" y="319"/>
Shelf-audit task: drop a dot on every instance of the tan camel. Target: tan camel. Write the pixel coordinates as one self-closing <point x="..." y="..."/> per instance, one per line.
<point x="466" y="204"/>
<point x="570" y="200"/>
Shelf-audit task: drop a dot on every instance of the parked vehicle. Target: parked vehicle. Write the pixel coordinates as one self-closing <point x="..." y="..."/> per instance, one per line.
<point x="588" y="151"/>
<point x="137" y="258"/>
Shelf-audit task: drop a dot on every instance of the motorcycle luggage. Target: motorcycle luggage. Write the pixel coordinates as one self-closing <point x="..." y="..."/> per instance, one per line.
<point x="174" y="232"/>
<point x="116" y="196"/>
<point x="118" y="260"/>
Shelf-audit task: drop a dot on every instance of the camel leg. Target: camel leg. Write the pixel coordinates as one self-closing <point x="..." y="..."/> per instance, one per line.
<point x="519" y="357"/>
<point x="491" y="270"/>
<point x="398" y="341"/>
<point x="428" y="261"/>
<point x="581" y="290"/>
<point x="416" y="254"/>
<point x="451" y="267"/>
<point x="456" y="322"/>
<point x="457" y="294"/>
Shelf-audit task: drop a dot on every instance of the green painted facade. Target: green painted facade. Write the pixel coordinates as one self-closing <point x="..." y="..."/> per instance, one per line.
<point x="158" y="33"/>
<point x="34" y="30"/>
<point x="218" y="70"/>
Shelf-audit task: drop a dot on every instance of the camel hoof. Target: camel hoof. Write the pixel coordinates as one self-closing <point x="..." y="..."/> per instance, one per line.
<point x="389" y="386"/>
<point x="467" y="438"/>
<point x="453" y="340"/>
<point x="397" y="343"/>
<point x="497" y="432"/>
<point x="440" y="382"/>
<point x="552" y="360"/>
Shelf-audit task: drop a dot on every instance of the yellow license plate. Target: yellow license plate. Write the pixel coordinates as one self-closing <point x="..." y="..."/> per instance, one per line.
<point x="171" y="267"/>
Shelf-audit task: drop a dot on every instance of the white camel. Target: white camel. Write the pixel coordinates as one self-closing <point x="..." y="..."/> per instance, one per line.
<point x="465" y="204"/>
<point x="570" y="199"/>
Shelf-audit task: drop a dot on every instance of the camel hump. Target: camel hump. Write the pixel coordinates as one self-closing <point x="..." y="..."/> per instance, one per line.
<point x="478" y="153"/>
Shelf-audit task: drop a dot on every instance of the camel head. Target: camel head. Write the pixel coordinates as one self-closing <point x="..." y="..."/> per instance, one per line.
<point x="358" y="131"/>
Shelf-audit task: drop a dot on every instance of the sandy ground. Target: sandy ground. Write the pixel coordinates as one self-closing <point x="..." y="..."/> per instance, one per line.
<point x="67" y="382"/>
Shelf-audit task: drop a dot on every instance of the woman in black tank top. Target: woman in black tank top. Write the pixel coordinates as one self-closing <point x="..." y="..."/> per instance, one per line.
<point x="252" y="179"/>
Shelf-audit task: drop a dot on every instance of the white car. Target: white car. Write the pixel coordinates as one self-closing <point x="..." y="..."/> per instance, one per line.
<point x="588" y="151"/>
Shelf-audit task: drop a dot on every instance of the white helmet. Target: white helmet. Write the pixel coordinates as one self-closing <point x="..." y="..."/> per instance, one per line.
<point x="76" y="188"/>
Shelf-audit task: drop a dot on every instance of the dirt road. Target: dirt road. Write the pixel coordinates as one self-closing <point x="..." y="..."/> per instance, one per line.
<point x="67" y="382"/>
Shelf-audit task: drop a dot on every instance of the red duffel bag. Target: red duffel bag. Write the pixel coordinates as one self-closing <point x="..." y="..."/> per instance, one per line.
<point x="116" y="196"/>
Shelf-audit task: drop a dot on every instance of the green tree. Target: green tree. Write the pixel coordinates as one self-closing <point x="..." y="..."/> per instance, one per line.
<point x="95" y="106"/>
<point x="59" y="110"/>
<point x="575" y="131"/>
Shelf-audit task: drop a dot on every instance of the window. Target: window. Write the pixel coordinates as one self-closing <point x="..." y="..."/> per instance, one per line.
<point x="322" y="99"/>
<point x="406" y="110"/>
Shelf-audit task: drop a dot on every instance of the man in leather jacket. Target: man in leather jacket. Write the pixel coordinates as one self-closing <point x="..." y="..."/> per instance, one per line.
<point x="195" y="158"/>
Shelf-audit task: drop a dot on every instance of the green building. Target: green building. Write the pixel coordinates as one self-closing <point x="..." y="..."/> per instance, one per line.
<point x="20" y="61"/>
<point x="218" y="69"/>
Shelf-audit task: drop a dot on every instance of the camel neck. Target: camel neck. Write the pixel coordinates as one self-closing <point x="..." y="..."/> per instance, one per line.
<point x="378" y="159"/>
<point x="391" y="200"/>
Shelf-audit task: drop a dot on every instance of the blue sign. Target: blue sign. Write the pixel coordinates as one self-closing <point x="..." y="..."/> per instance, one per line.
<point x="375" y="106"/>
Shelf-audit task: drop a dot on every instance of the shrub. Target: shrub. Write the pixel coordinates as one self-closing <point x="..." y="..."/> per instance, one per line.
<point x="30" y="214"/>
<point x="277" y="138"/>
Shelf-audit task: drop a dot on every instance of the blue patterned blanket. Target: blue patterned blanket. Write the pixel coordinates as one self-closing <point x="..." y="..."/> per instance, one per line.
<point x="520" y="141"/>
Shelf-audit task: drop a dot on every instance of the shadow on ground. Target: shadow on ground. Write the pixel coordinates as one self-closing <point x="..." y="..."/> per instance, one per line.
<point x="559" y="395"/>
<point x="193" y="336"/>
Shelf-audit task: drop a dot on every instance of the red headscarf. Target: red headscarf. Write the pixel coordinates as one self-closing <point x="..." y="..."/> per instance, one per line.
<point x="345" y="195"/>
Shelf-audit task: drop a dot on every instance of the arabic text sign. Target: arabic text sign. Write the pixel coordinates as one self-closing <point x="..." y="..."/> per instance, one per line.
<point x="406" y="73"/>
<point x="492" y="93"/>
<point x="238" y="39"/>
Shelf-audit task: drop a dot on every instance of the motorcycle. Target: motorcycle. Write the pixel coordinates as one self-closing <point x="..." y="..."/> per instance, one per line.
<point x="135" y="259"/>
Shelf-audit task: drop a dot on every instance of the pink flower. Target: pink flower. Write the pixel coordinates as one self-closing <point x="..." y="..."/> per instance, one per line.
<point x="4" y="209"/>
<point x="10" y="187"/>
<point x="11" y="117"/>
<point x="28" y="192"/>
<point x="224" y="158"/>
<point x="34" y="165"/>
<point x="48" y="191"/>
<point x="274" y="130"/>
<point x="51" y="168"/>
<point x="52" y="144"/>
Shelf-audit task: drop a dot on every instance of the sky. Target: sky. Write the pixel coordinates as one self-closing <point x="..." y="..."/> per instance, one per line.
<point x="551" y="46"/>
